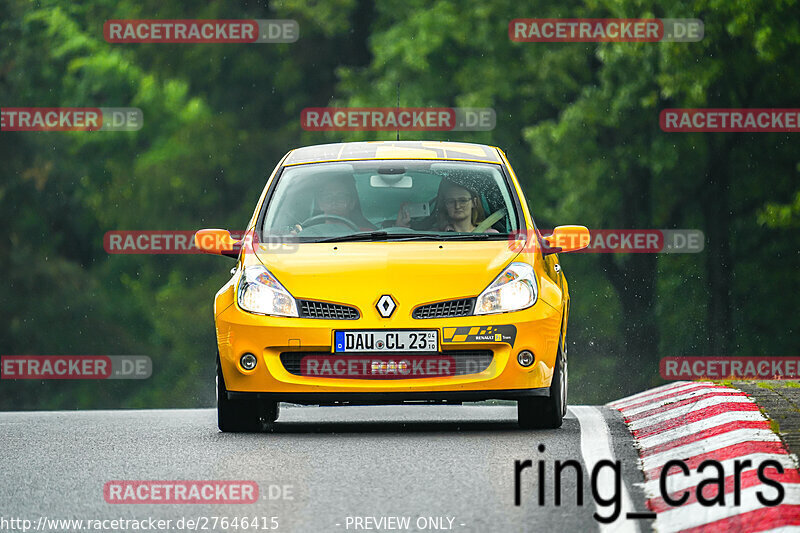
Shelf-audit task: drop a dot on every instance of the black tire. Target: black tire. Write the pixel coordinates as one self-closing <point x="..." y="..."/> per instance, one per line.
<point x="243" y="416"/>
<point x="546" y="413"/>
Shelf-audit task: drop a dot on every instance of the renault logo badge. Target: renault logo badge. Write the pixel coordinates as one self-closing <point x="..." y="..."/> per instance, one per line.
<point x="386" y="306"/>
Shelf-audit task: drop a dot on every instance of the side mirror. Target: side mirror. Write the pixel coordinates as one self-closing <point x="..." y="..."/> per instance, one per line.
<point x="216" y="241"/>
<point x="567" y="239"/>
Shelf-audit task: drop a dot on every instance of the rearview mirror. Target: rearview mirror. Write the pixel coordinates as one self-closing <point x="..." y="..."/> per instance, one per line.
<point x="216" y="241"/>
<point x="397" y="182"/>
<point x="567" y="239"/>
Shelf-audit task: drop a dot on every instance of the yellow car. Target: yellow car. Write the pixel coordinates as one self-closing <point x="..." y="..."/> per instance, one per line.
<point x="390" y="273"/>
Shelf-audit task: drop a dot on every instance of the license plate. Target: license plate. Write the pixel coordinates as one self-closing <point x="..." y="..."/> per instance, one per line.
<point x="386" y="341"/>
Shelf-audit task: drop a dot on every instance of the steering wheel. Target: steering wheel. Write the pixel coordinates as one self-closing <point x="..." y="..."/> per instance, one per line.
<point x="489" y="221"/>
<point x="319" y="219"/>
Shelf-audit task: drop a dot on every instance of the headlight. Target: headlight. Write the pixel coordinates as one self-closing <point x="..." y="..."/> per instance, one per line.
<point x="512" y="290"/>
<point x="259" y="292"/>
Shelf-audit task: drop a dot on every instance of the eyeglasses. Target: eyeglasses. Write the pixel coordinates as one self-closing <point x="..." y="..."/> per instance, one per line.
<point x="460" y="202"/>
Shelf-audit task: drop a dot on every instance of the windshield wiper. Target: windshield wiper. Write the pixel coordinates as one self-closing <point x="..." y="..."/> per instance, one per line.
<point x="376" y="236"/>
<point x="360" y="236"/>
<point x="465" y="236"/>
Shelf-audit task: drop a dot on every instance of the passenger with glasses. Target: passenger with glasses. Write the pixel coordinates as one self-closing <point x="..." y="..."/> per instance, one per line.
<point x="457" y="209"/>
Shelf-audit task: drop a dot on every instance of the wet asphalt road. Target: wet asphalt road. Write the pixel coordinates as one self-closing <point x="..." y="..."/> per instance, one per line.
<point x="439" y="466"/>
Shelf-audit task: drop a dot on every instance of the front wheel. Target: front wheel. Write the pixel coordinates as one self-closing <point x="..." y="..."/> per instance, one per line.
<point x="546" y="413"/>
<point x="242" y="416"/>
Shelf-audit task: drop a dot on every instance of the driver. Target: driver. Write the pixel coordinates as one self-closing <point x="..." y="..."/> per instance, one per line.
<point x="337" y="197"/>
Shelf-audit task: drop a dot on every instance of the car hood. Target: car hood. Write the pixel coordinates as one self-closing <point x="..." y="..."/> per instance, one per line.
<point x="413" y="273"/>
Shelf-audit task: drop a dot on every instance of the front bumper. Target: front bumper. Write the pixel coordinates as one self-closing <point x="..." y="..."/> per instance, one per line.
<point x="536" y="329"/>
<point x="390" y="398"/>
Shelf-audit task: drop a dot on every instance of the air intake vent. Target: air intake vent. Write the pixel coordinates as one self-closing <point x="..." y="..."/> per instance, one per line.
<point x="329" y="311"/>
<point x="448" y="309"/>
<point x="357" y="366"/>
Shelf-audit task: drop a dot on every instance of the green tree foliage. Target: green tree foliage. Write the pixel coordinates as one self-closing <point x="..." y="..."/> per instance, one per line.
<point x="579" y="122"/>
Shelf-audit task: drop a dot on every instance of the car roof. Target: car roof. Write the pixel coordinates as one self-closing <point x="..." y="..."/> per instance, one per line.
<point x="393" y="150"/>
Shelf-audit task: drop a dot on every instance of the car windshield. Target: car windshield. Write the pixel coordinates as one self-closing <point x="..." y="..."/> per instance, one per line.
<point x="384" y="200"/>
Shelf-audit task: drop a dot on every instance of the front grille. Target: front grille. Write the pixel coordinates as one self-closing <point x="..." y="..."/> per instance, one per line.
<point x="448" y="309"/>
<point x="313" y="309"/>
<point x="466" y="361"/>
